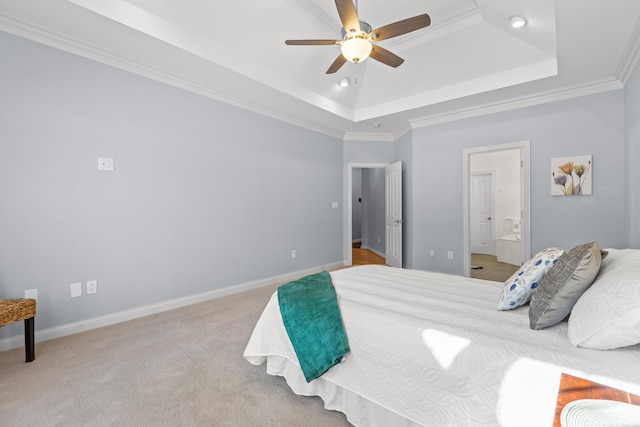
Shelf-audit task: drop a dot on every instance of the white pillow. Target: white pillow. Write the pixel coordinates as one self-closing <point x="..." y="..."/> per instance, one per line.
<point x="518" y="288"/>
<point x="607" y="315"/>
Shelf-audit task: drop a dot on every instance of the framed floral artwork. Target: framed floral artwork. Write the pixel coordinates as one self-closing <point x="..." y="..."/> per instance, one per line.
<point x="571" y="176"/>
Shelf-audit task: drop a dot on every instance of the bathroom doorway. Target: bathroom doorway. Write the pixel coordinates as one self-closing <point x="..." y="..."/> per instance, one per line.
<point x="496" y="210"/>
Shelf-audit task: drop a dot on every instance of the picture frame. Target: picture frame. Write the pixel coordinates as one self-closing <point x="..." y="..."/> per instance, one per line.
<point x="572" y="176"/>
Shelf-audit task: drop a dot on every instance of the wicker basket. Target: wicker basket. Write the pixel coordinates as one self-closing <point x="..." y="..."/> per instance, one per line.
<point x="14" y="310"/>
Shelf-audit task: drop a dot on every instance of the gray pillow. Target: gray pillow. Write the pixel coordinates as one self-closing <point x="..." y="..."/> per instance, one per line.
<point x="563" y="284"/>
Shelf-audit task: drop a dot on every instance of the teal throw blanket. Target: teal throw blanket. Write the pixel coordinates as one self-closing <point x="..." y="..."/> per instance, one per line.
<point x="311" y="316"/>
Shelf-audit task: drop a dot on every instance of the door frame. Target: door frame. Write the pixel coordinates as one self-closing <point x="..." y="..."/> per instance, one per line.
<point x="525" y="195"/>
<point x="349" y="234"/>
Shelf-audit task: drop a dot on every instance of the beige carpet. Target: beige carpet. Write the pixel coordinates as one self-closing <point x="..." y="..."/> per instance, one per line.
<point x="491" y="268"/>
<point x="179" y="368"/>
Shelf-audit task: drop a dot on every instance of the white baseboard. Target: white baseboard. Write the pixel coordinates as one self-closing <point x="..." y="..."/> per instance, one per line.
<point x="136" y="313"/>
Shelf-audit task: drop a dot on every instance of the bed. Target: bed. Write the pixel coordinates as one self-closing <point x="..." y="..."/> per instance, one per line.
<point x="432" y="349"/>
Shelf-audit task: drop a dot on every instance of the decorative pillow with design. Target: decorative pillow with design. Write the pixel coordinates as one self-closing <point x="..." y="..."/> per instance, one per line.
<point x="607" y="315"/>
<point x="561" y="287"/>
<point x="518" y="289"/>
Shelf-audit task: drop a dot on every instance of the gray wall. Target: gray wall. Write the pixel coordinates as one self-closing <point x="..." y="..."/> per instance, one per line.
<point x="204" y="195"/>
<point x="587" y="125"/>
<point x="200" y="185"/>
<point x="632" y="135"/>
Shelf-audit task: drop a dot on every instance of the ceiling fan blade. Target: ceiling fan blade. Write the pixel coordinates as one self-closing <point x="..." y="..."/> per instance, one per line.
<point x="339" y="62"/>
<point x="311" y="42"/>
<point x="348" y="15"/>
<point x="401" y="27"/>
<point x="383" y="55"/>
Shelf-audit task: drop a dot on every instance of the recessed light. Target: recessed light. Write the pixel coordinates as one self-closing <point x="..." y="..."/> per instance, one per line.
<point x="344" y="82"/>
<point x="518" y="21"/>
<point x="376" y="125"/>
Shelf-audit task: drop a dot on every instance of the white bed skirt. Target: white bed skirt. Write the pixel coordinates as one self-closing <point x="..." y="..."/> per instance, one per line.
<point x="358" y="410"/>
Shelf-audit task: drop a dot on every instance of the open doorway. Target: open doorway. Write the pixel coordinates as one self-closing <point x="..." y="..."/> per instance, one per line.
<point x="368" y="215"/>
<point x="496" y="210"/>
<point x="382" y="226"/>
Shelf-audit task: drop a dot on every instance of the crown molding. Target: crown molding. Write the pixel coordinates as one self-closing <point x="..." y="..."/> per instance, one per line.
<point x="370" y="137"/>
<point x="590" y="88"/>
<point x="631" y="55"/>
<point x="377" y="137"/>
<point x="406" y="128"/>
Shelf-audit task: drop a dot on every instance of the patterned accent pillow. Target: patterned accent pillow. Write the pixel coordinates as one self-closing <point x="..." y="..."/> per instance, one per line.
<point x="518" y="289"/>
<point x="561" y="287"/>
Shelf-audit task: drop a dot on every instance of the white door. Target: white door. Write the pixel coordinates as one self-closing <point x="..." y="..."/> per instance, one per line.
<point x="393" y="214"/>
<point x="482" y="239"/>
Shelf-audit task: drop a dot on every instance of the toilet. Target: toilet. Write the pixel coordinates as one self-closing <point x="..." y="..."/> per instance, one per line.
<point x="508" y="246"/>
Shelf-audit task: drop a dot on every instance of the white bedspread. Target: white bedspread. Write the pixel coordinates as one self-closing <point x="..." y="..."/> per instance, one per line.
<point x="432" y="349"/>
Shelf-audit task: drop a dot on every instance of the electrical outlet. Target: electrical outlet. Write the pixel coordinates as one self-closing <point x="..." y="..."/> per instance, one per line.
<point x="76" y="290"/>
<point x="450" y="255"/>
<point x="432" y="252"/>
<point x="92" y="287"/>
<point x="105" y="164"/>
<point x="293" y="254"/>
<point x="31" y="293"/>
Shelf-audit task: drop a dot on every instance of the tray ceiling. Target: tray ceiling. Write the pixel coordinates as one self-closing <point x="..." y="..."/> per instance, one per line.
<point x="469" y="61"/>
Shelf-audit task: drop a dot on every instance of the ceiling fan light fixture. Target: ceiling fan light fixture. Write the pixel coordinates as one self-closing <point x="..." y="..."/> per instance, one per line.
<point x="518" y="22"/>
<point x="357" y="40"/>
<point x="356" y="49"/>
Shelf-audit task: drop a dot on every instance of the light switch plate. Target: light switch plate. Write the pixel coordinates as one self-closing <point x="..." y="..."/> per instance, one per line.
<point x="92" y="287"/>
<point x="76" y="290"/>
<point x="31" y="293"/>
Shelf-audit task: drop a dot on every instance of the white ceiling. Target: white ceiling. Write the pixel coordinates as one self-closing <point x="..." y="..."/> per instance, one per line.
<point x="468" y="62"/>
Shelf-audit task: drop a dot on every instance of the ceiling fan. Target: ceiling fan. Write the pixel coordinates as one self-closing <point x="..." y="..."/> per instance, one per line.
<point x="357" y="38"/>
